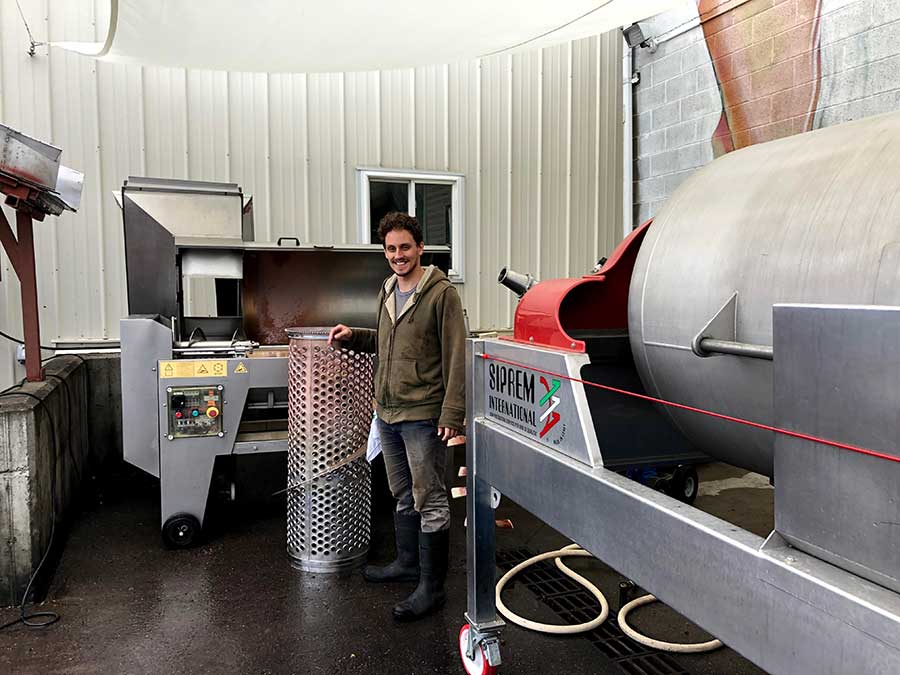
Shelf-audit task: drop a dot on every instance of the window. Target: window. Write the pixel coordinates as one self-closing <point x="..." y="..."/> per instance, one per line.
<point x="435" y="199"/>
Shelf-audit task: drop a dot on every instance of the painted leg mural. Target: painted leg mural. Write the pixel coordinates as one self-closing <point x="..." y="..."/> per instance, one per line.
<point x="767" y="67"/>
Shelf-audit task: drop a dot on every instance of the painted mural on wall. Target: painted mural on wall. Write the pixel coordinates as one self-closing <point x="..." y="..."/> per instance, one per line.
<point x="726" y="74"/>
<point x="767" y="64"/>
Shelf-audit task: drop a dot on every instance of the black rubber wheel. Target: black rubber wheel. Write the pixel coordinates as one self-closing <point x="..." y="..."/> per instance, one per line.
<point x="181" y="531"/>
<point x="684" y="484"/>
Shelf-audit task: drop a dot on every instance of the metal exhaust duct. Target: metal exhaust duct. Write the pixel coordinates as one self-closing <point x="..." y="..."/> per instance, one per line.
<point x="517" y="282"/>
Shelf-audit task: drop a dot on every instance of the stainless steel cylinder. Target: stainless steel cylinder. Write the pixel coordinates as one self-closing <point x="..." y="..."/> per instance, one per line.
<point x="814" y="218"/>
<point x="329" y="415"/>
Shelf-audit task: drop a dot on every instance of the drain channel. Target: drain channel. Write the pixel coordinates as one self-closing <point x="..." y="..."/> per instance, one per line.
<point x="572" y="604"/>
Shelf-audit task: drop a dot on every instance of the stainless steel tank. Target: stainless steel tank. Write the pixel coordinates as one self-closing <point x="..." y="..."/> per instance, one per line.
<point x="814" y="218"/>
<point x="330" y="485"/>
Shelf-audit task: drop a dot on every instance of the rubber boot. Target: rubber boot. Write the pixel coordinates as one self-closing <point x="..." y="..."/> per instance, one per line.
<point x="406" y="566"/>
<point x="429" y="594"/>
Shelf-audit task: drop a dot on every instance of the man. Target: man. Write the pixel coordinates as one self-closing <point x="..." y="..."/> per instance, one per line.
<point x="420" y="404"/>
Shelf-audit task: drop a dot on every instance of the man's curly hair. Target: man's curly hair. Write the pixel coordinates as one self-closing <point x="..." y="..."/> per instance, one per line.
<point x="395" y="220"/>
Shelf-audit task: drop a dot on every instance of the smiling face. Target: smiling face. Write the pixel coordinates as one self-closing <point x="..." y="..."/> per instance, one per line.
<point x="402" y="252"/>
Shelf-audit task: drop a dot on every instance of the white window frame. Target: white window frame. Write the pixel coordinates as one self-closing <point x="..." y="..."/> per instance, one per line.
<point x="364" y="175"/>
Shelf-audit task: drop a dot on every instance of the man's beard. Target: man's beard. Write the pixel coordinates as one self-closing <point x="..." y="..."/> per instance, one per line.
<point x="410" y="266"/>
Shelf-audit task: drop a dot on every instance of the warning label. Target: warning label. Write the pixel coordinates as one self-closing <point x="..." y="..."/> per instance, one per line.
<point x="241" y="368"/>
<point x="176" y="369"/>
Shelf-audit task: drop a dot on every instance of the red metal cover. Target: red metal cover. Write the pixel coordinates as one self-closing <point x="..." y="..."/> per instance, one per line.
<point x="597" y="301"/>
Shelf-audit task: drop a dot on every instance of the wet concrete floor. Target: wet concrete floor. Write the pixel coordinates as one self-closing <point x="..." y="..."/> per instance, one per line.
<point x="235" y="605"/>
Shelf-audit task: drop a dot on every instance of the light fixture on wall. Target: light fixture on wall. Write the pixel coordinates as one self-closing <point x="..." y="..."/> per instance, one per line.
<point x="634" y="37"/>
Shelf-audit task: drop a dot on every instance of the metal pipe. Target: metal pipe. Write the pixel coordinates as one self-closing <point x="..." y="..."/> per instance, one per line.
<point x="712" y="346"/>
<point x="206" y="345"/>
<point x="628" y="142"/>
<point x="517" y="282"/>
<point x="211" y="348"/>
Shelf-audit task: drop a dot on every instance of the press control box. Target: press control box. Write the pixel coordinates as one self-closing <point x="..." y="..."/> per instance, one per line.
<point x="194" y="411"/>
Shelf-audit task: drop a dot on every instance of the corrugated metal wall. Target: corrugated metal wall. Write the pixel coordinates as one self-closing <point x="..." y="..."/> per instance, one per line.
<point x="537" y="135"/>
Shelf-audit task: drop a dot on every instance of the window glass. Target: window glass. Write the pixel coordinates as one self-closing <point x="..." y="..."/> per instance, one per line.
<point x="433" y="203"/>
<point x="384" y="197"/>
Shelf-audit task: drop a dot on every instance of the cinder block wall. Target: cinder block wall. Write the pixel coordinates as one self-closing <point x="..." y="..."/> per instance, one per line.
<point x="752" y="72"/>
<point x="39" y="478"/>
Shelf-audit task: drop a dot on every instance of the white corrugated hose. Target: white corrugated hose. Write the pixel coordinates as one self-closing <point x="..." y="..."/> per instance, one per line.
<point x="574" y="550"/>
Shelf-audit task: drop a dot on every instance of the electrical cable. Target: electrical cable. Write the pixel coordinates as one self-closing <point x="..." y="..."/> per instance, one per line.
<point x="34" y="43"/>
<point x="51" y="617"/>
<point x="15" y="386"/>
<point x="70" y="397"/>
<point x="64" y="383"/>
<point x="552" y="30"/>
<point x="22" y="342"/>
<point x="69" y="407"/>
<point x="87" y="378"/>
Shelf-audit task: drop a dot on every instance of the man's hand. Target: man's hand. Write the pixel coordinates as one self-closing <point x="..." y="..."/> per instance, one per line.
<point x="339" y="332"/>
<point x="446" y="433"/>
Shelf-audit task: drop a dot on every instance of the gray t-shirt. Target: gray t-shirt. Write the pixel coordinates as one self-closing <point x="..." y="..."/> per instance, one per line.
<point x="400" y="299"/>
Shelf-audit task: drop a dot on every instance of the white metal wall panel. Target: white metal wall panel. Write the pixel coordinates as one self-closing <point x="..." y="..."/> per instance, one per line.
<point x="608" y="153"/>
<point x="583" y="168"/>
<point x="537" y="136"/>
<point x="121" y="127"/>
<point x="248" y="131"/>
<point x="464" y="133"/>
<point x="79" y="254"/>
<point x="525" y="249"/>
<point x="555" y="162"/>
<point x="208" y="126"/>
<point x="432" y="140"/>
<point x="398" y="127"/>
<point x="362" y="118"/>
<point x="289" y="174"/>
<point x="165" y="122"/>
<point x="496" y="148"/>
<point x="328" y="180"/>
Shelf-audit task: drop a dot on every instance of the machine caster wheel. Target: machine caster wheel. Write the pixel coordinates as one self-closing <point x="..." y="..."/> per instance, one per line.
<point x="684" y="484"/>
<point x="181" y="531"/>
<point x="479" y="665"/>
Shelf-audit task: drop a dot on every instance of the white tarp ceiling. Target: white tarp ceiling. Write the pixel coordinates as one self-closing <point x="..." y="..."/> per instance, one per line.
<point x="346" y="35"/>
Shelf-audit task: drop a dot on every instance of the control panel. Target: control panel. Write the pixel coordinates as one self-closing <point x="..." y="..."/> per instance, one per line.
<point x="194" y="411"/>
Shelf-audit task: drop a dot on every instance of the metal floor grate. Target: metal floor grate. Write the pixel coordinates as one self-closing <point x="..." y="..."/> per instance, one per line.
<point x="573" y="604"/>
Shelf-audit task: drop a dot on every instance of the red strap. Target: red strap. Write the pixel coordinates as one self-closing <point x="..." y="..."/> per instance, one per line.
<point x="681" y="406"/>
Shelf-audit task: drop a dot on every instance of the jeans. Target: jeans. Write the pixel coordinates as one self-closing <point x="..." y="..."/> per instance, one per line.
<point x="415" y="459"/>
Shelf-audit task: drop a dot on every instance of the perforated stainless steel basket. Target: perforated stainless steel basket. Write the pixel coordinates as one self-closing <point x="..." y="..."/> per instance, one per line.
<point x="330" y="412"/>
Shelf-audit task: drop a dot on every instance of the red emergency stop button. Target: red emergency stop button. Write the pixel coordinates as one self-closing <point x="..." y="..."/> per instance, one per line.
<point x="179" y="415"/>
<point x="212" y="412"/>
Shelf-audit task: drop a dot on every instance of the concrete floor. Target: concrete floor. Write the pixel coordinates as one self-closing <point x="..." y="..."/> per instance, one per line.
<point x="234" y="604"/>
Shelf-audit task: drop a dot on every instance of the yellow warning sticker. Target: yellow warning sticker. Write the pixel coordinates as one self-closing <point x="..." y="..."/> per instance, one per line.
<point x="241" y="368"/>
<point x="173" y="369"/>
